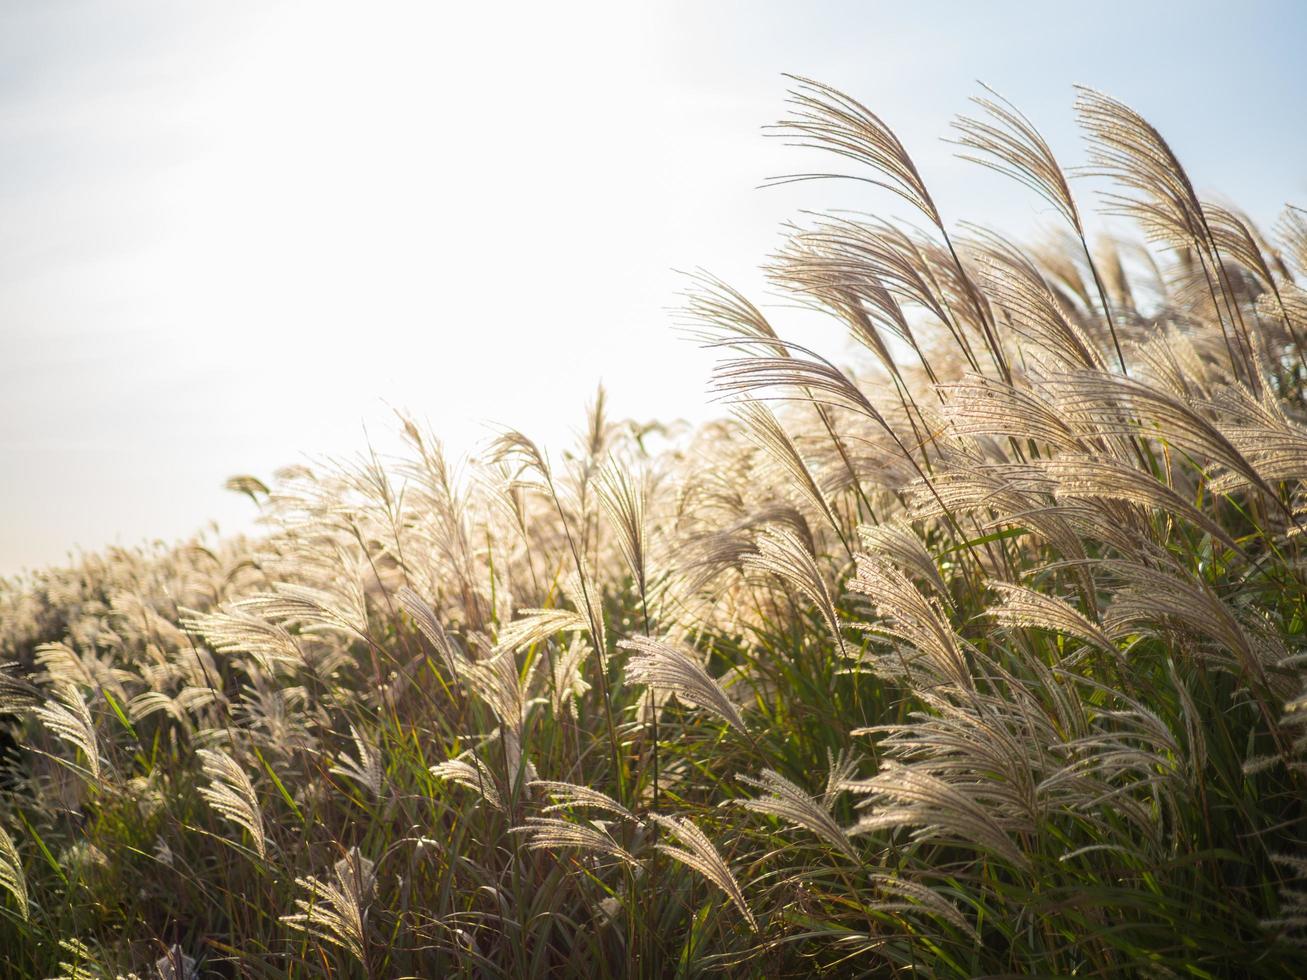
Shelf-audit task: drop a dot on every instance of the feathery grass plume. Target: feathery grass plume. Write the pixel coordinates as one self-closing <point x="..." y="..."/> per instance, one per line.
<point x="568" y="795"/>
<point x="1011" y="145"/>
<point x="979" y="406"/>
<point x="365" y="768"/>
<point x="12" y="878"/>
<point x="789" y="802"/>
<point x="697" y="852"/>
<point x="69" y="719"/>
<point x="1085" y="477"/>
<point x="904" y="895"/>
<point x="896" y="541"/>
<point x="667" y="666"/>
<point x="622" y="495"/>
<point x="912" y="618"/>
<point x="468" y="770"/>
<point x="535" y="626"/>
<point x="1291" y="229"/>
<point x="1033" y="312"/>
<point x="1008" y="143"/>
<point x="781" y="553"/>
<point x="231" y="795"/>
<point x="313" y="609"/>
<point x="762" y="426"/>
<point x="566" y="682"/>
<point x="82" y="963"/>
<point x="1113" y="404"/>
<point x="1126" y="148"/>
<point x="1023" y="608"/>
<point x="236" y="630"/>
<point x="1151" y="597"/>
<point x="550" y="833"/>
<point x="429" y="626"/>
<point x="336" y="911"/>
<point x="826" y="119"/>
<point x="909" y="796"/>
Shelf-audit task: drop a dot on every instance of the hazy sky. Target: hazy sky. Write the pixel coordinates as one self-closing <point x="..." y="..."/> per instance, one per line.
<point x="235" y="234"/>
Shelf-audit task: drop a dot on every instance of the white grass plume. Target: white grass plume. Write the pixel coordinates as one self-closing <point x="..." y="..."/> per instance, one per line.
<point x="12" y="878"/>
<point x="231" y="794"/>
<point x="551" y="833"/>
<point x="67" y="717"/>
<point x="668" y="667"/>
<point x="698" y="853"/>
<point x="789" y="802"/>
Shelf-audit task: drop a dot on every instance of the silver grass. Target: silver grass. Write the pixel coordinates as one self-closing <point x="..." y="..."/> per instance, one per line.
<point x="1080" y="477"/>
<point x="788" y="802"/>
<point x="69" y="719"/>
<point x="912" y="618"/>
<point x="364" y="768"/>
<point x="231" y="795"/>
<point x="81" y="965"/>
<point x="335" y="912"/>
<point x="1023" y="607"/>
<point x="906" y="796"/>
<point x="12" y="878"/>
<point x="429" y="626"/>
<point x="569" y="795"/>
<point x="238" y="630"/>
<point x="896" y="541"/>
<point x="915" y="897"/>
<point x="312" y="609"/>
<point x="762" y="426"/>
<point x="468" y="770"/>
<point x="668" y="667"/>
<point x="826" y="119"/>
<point x="622" y="495"/>
<point x="550" y="833"/>
<point x="1007" y="142"/>
<point x="781" y="553"/>
<point x="534" y="626"/>
<point x="697" y="852"/>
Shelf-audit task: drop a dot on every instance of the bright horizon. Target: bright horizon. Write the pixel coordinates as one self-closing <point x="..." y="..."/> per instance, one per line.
<point x="235" y="237"/>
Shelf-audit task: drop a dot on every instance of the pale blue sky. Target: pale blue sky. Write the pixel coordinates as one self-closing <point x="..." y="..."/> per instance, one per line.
<point x="235" y="233"/>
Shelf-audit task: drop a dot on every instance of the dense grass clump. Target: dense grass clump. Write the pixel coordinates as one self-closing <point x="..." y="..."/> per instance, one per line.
<point x="985" y="658"/>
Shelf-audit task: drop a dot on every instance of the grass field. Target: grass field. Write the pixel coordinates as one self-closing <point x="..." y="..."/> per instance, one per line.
<point x="982" y="656"/>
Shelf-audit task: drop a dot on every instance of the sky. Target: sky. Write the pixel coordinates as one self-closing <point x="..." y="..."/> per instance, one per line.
<point x="238" y="236"/>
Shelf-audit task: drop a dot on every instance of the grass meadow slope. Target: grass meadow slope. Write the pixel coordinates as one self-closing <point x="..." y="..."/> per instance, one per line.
<point x="983" y="656"/>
